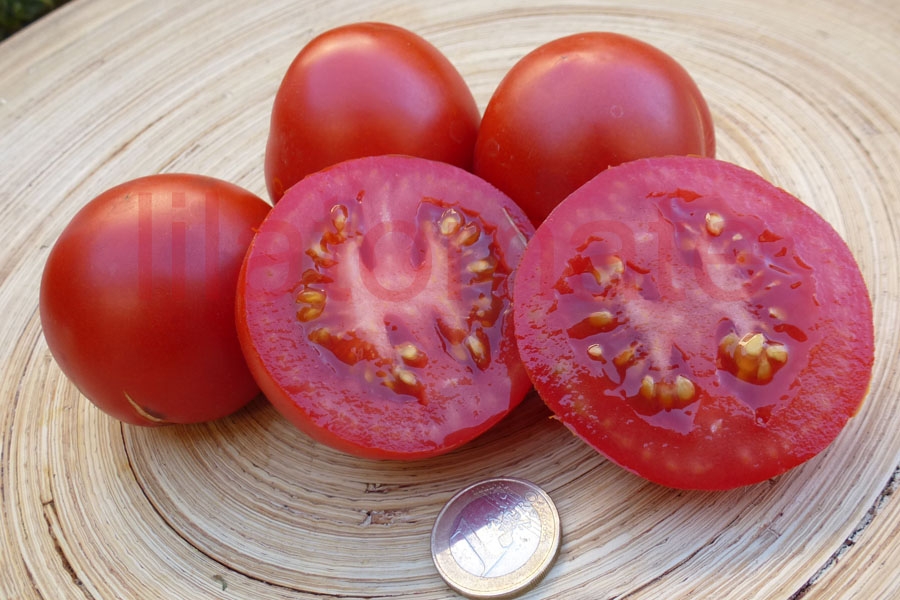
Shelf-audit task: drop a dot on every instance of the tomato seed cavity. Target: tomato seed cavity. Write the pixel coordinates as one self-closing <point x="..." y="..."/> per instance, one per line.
<point x="445" y="230"/>
<point x="752" y="358"/>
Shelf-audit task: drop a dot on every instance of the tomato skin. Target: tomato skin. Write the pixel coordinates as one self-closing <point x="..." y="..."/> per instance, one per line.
<point x="694" y="323"/>
<point x="137" y="299"/>
<point x="367" y="89"/>
<point x="580" y="104"/>
<point x="374" y="307"/>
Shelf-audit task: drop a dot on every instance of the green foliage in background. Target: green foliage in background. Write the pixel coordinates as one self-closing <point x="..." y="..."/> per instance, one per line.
<point x="16" y="14"/>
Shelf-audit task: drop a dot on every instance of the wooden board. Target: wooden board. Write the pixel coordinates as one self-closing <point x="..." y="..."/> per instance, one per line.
<point x="806" y="93"/>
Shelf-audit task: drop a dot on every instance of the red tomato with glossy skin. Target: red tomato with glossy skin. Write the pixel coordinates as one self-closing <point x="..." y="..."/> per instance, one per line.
<point x="695" y="324"/>
<point x="374" y="307"/>
<point x="137" y="299"/>
<point x="367" y="89"/>
<point x="580" y="104"/>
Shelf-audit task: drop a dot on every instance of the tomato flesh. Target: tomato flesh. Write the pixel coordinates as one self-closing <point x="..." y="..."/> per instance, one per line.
<point x="374" y="306"/>
<point x="694" y="323"/>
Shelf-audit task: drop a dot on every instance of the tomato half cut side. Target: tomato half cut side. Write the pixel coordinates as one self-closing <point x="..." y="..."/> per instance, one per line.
<point x="694" y="323"/>
<point x="374" y="306"/>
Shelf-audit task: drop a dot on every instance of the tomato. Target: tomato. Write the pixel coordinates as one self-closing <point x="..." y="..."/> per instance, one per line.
<point x="580" y="104"/>
<point x="694" y="323"/>
<point x="367" y="89"/>
<point x="137" y="299"/>
<point x="374" y="306"/>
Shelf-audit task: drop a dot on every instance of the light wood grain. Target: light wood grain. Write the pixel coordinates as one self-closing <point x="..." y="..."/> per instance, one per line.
<point x="102" y="91"/>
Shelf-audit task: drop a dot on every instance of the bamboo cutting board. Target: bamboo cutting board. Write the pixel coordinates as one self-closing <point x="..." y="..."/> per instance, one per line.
<point x="101" y="91"/>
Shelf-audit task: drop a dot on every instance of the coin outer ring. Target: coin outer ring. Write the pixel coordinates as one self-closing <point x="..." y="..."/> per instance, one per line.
<point x="517" y="581"/>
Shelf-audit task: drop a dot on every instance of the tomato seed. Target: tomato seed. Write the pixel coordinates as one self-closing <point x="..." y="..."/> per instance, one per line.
<point x="764" y="370"/>
<point x="752" y="344"/>
<point x="666" y="396"/>
<point x="320" y="335"/>
<point x="602" y="319"/>
<point x="715" y="224"/>
<point x="595" y="351"/>
<point x="617" y="265"/>
<point x="468" y="235"/>
<point x="684" y="388"/>
<point x="412" y="355"/>
<point x="309" y="313"/>
<point x="481" y="266"/>
<point x="406" y="376"/>
<point x="320" y="255"/>
<point x="477" y="349"/>
<point x="312" y="276"/>
<point x="625" y="358"/>
<point x="339" y="216"/>
<point x="614" y="267"/>
<point x="311" y="296"/>
<point x="777" y="352"/>
<point x="451" y="221"/>
<point x="486" y="309"/>
<point x="454" y="335"/>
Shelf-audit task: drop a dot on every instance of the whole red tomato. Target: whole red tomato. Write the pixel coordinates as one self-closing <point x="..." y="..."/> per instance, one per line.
<point x="137" y="299"/>
<point x="367" y="89"/>
<point x="580" y="104"/>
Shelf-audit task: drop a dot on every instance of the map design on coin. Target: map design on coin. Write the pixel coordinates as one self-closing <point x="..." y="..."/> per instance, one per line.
<point x="496" y="534"/>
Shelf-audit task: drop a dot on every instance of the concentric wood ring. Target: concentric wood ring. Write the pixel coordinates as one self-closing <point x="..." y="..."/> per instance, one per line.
<point x="248" y="507"/>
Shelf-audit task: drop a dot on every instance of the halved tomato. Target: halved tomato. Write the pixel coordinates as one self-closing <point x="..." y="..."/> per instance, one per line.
<point x="374" y="306"/>
<point x="694" y="323"/>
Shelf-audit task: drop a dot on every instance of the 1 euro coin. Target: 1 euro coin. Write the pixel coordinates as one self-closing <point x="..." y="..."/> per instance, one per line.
<point x="496" y="538"/>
